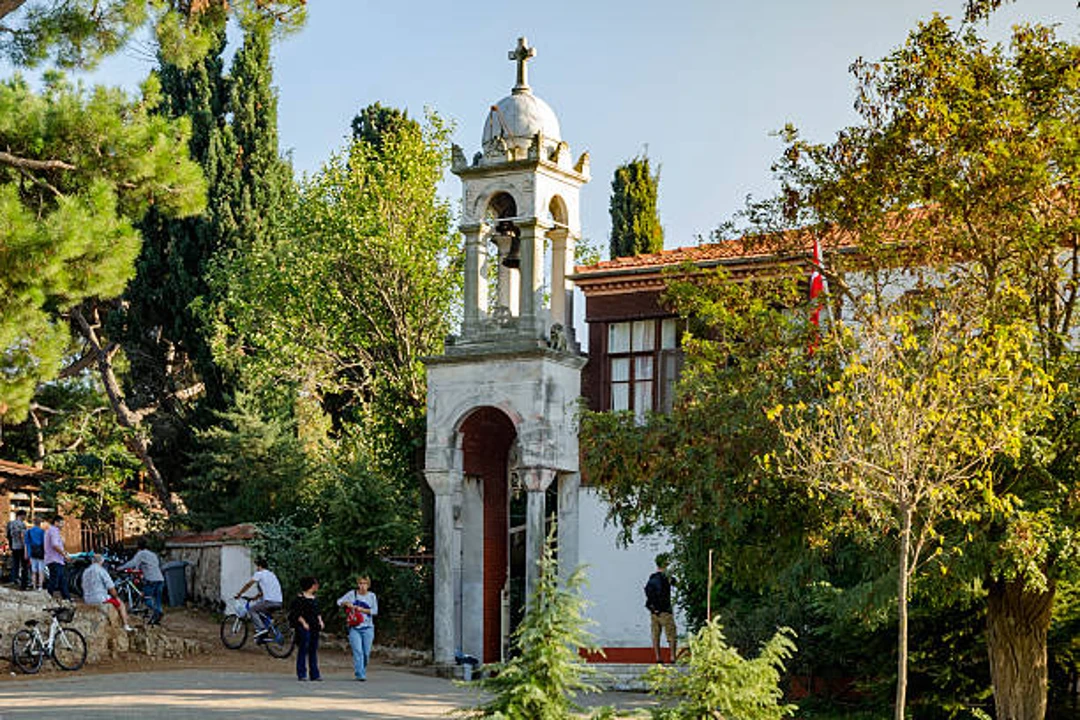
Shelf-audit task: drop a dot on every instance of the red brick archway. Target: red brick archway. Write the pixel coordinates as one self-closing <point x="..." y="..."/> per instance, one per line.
<point x="487" y="435"/>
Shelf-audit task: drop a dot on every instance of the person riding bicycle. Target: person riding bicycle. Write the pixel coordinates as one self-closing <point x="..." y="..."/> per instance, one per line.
<point x="267" y="600"/>
<point x="99" y="589"/>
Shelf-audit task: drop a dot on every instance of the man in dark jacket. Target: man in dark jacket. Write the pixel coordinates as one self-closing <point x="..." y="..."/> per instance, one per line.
<point x="658" y="603"/>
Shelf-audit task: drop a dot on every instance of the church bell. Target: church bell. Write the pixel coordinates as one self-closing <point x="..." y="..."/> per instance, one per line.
<point x="513" y="257"/>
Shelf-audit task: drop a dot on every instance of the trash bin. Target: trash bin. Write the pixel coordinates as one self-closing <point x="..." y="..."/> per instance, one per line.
<point x="468" y="665"/>
<point x="175" y="582"/>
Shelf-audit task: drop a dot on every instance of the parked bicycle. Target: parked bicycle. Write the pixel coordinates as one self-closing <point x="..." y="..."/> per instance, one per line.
<point x="278" y="639"/>
<point x="66" y="646"/>
<point x="129" y="589"/>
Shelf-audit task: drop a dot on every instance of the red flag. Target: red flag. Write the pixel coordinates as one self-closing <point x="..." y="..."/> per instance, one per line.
<point x="817" y="287"/>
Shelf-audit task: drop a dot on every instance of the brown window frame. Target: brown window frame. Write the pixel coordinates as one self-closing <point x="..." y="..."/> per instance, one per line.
<point x="665" y="363"/>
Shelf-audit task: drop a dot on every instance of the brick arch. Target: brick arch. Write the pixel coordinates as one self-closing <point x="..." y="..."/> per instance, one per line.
<point x="487" y="435"/>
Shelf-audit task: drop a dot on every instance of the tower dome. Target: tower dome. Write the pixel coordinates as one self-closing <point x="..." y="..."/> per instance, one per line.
<point x="518" y="117"/>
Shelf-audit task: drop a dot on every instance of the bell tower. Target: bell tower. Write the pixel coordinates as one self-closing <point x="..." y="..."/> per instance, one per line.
<point x="502" y="450"/>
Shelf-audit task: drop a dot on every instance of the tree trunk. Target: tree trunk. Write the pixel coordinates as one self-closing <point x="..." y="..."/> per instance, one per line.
<point x="1017" y="619"/>
<point x="902" y="615"/>
<point x="135" y="442"/>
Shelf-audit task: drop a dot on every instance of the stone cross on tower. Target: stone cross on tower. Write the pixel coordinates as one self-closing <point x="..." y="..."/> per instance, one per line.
<point x="522" y="53"/>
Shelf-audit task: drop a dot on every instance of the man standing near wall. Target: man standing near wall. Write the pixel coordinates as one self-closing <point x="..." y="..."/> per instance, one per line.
<point x="16" y="537"/>
<point x="658" y="603"/>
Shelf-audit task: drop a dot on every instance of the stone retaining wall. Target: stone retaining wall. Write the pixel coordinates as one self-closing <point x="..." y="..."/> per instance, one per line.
<point x="105" y="636"/>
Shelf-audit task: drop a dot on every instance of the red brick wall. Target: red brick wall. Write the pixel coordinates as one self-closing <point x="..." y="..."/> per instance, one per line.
<point x="488" y="434"/>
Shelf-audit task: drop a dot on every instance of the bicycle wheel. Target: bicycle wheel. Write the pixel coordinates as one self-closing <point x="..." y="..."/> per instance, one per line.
<point x="74" y="580"/>
<point x="69" y="649"/>
<point x="27" y="652"/>
<point x="234" y="631"/>
<point x="136" y="603"/>
<point x="281" y="638"/>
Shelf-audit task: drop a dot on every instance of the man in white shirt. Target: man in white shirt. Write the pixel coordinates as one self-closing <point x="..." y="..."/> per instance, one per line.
<point x="99" y="589"/>
<point x="269" y="597"/>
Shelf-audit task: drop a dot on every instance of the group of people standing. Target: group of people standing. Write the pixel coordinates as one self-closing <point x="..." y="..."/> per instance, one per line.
<point x="360" y="606"/>
<point x="35" y="547"/>
<point x="41" y="545"/>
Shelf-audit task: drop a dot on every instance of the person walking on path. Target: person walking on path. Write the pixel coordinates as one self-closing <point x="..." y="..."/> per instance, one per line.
<point x="56" y="558"/>
<point x="16" y="536"/>
<point x="267" y="600"/>
<point x="99" y="589"/>
<point x="147" y="562"/>
<point x="361" y="607"/>
<point x="35" y="549"/>
<point x="305" y="618"/>
<point x="658" y="603"/>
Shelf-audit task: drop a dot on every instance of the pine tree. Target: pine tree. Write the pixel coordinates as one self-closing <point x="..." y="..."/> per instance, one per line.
<point x="635" y="221"/>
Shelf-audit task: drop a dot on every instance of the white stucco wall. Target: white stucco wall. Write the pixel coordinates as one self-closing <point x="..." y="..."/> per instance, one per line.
<point x="617" y="577"/>
<point x="236" y="569"/>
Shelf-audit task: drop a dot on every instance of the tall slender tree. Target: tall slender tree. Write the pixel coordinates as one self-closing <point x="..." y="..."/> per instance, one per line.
<point x="635" y="220"/>
<point x="168" y="320"/>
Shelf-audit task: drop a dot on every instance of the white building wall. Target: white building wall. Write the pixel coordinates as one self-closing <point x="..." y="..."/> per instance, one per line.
<point x="237" y="568"/>
<point x="617" y="577"/>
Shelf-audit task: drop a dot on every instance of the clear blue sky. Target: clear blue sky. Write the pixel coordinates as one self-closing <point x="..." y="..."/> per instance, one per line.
<point x="701" y="83"/>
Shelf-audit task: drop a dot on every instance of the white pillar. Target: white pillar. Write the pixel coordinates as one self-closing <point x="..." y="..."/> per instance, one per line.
<point x="472" y="567"/>
<point x="537" y="480"/>
<point x="475" y="290"/>
<point x="532" y="275"/>
<point x="562" y="256"/>
<point x="444" y="483"/>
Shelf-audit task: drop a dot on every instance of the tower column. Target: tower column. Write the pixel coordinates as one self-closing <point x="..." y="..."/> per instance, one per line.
<point x="532" y="276"/>
<point x="475" y="290"/>
<point x="444" y="483"/>
<point x="536" y="480"/>
<point x="562" y="257"/>
<point x="472" y="566"/>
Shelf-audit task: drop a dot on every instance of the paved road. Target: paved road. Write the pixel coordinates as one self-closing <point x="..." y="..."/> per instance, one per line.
<point x="216" y="695"/>
<point x="205" y="695"/>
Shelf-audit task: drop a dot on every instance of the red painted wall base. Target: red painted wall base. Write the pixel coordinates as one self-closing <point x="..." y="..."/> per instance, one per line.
<point x="627" y="655"/>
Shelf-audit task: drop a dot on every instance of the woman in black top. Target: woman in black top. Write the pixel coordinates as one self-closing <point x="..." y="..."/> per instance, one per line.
<point x="305" y="618"/>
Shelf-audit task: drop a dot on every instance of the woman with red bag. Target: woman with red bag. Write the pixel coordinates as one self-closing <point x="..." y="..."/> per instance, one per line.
<point x="361" y="607"/>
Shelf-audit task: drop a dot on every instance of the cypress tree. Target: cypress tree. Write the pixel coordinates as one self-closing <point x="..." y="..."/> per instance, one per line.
<point x="170" y="305"/>
<point x="635" y="221"/>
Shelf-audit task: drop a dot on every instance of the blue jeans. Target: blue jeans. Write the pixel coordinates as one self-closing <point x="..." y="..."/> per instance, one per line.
<point x="152" y="591"/>
<point x="360" y="639"/>
<point x="307" y="648"/>
<point x="58" y="580"/>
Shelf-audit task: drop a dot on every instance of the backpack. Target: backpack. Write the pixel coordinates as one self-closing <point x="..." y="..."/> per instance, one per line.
<point x="37" y="549"/>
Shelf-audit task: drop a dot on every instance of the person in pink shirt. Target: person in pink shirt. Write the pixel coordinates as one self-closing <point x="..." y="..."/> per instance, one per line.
<point x="56" y="558"/>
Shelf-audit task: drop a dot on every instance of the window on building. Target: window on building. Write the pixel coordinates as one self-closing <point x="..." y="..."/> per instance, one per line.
<point x="643" y="365"/>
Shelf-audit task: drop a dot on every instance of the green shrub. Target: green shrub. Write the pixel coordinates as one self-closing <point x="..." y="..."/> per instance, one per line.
<point x="542" y="679"/>
<point x="717" y="682"/>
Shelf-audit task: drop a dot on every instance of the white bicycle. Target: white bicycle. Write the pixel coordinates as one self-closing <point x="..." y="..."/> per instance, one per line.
<point x="66" y="646"/>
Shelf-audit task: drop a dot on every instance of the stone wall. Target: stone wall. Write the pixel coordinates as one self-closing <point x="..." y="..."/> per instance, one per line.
<point x="105" y="636"/>
<point x="203" y="573"/>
